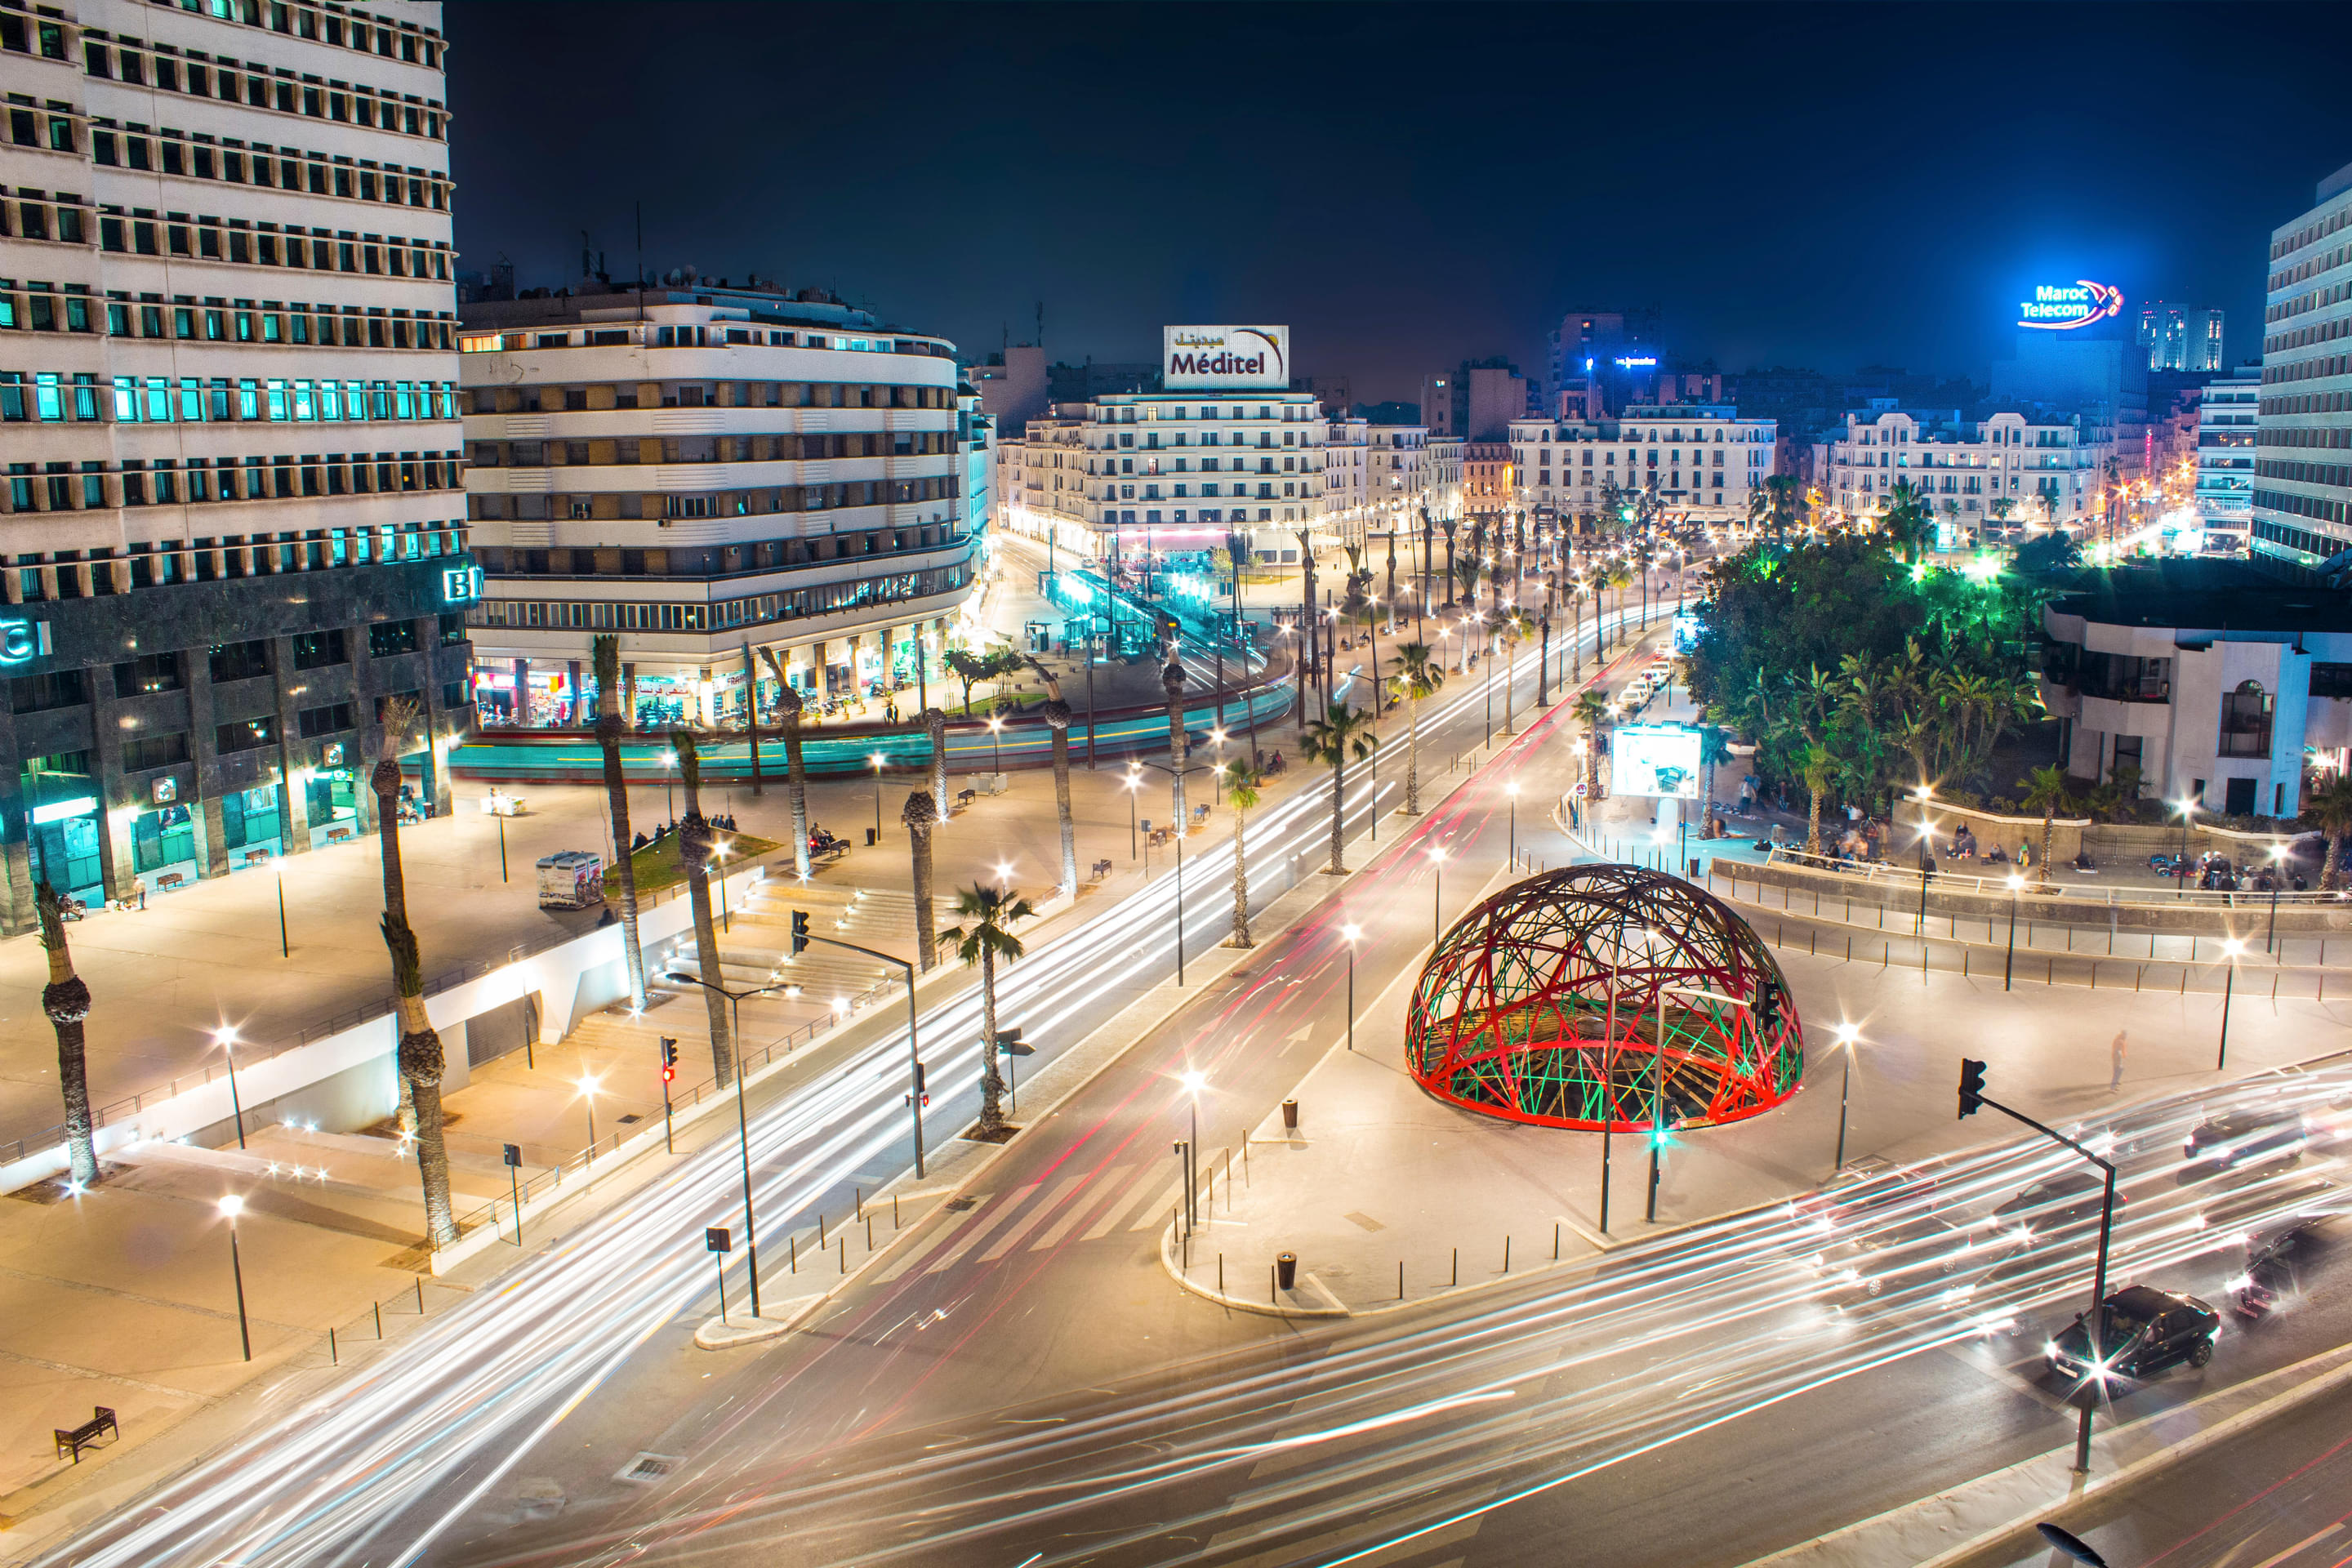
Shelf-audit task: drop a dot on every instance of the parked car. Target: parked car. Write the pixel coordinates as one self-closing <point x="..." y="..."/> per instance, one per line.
<point x="2143" y="1332"/>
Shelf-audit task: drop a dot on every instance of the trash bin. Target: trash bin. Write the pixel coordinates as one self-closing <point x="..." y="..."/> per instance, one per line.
<point x="1286" y="1270"/>
<point x="1290" y="1116"/>
<point x="870" y="837"/>
<point x="1693" y="873"/>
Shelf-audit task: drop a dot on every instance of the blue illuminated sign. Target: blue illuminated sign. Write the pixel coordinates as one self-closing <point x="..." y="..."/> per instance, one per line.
<point x="460" y="585"/>
<point x="22" y="641"/>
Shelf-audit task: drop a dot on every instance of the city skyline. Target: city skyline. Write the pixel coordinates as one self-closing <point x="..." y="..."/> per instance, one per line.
<point x="1124" y="175"/>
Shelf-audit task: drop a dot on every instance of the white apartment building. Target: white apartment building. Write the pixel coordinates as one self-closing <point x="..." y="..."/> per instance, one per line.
<point x="2048" y="469"/>
<point x="1161" y="471"/>
<point x="2225" y="456"/>
<point x="234" y="519"/>
<point x="1702" y="459"/>
<point x="2302" y="469"/>
<point x="706" y="470"/>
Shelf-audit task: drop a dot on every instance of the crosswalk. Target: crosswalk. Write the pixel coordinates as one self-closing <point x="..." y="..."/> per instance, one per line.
<point x="1138" y="1197"/>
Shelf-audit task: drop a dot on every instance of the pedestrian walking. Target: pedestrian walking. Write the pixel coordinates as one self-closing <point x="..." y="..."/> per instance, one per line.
<point x="2115" y="1055"/>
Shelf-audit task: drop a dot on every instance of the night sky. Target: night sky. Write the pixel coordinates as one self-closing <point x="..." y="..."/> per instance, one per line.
<point x="1409" y="185"/>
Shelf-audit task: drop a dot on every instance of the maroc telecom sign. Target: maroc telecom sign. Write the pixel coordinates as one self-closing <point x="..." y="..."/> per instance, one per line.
<point x="2061" y="307"/>
<point x="1222" y="357"/>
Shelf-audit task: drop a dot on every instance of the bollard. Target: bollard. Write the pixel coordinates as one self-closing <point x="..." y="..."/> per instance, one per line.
<point x="420" y="1295"/>
<point x="869" y="1233"/>
<point x="1555" y="1242"/>
<point x="1272" y="1299"/>
<point x="894" y="1212"/>
<point x="1290" y="1116"/>
<point x="1221" y="1274"/>
<point x="1456" y="1278"/>
<point x="332" y="1355"/>
<point x="1286" y="1270"/>
<point x="821" y="1242"/>
<point x="379" y="1319"/>
<point x="793" y="1242"/>
<point x="857" y="1201"/>
<point x="1399" y="1279"/>
<point x="1507" y="1255"/>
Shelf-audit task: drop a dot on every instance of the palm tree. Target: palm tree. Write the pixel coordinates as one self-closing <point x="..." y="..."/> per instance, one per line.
<point x="1908" y="517"/>
<point x="1787" y="493"/>
<point x="694" y="841"/>
<point x="1508" y="634"/>
<point x="986" y="939"/>
<point x="398" y="715"/>
<point x="1418" y="676"/>
<point x="604" y="651"/>
<point x="1340" y="733"/>
<point x="1818" y="766"/>
<point x="935" y="724"/>
<point x="920" y="816"/>
<point x="2045" y="792"/>
<point x="1244" y="782"/>
<point x="1057" y="716"/>
<point x="66" y="999"/>
<point x="421" y="1065"/>
<point x="2329" y="806"/>
<point x="788" y="720"/>
<point x="1590" y="710"/>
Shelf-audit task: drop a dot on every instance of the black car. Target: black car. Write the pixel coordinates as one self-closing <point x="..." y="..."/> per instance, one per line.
<point x="2063" y="1201"/>
<point x="2144" y="1331"/>
<point x="2238" y="1137"/>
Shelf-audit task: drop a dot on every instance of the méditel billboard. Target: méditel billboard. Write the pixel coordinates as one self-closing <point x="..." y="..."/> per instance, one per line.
<point x="1654" y="760"/>
<point x="1225" y="358"/>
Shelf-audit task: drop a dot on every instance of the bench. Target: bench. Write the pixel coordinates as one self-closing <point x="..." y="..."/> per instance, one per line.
<point x="832" y="851"/>
<point x="338" y="834"/>
<point x="257" y="856"/>
<point x="965" y="797"/>
<point x="1100" y="870"/>
<point x="1158" y="837"/>
<point x="1200" y="815"/>
<point x="169" y="880"/>
<point x="73" y="1440"/>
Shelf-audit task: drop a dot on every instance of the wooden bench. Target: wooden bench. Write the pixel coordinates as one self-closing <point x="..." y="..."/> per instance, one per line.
<point x="965" y="797"/>
<point x="257" y="856"/>
<point x="338" y="834"/>
<point x="1101" y="869"/>
<point x="73" y="1440"/>
<point x="832" y="851"/>
<point x="169" y="880"/>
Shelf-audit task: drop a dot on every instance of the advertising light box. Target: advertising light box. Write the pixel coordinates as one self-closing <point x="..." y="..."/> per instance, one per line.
<point x="1660" y="759"/>
<point x="1214" y="359"/>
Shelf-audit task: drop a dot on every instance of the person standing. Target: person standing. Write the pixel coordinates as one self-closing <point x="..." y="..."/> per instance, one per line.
<point x="2115" y="1055"/>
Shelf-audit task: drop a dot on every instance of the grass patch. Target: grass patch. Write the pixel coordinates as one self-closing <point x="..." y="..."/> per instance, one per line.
<point x="656" y="866"/>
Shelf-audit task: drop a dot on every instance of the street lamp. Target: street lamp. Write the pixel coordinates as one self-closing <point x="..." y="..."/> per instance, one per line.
<point x="1194" y="1080"/>
<point x="996" y="744"/>
<point x="1134" y="781"/>
<point x="588" y="1084"/>
<point x="2230" y="950"/>
<point x="2187" y="806"/>
<point x="669" y="801"/>
<point x="876" y="759"/>
<point x="2016" y="883"/>
<point x="1348" y="933"/>
<point x="1847" y="1036"/>
<point x="2278" y="874"/>
<point x="226" y="1038"/>
<point x="1512" y="789"/>
<point x="231" y="1206"/>
<point x="1436" y="892"/>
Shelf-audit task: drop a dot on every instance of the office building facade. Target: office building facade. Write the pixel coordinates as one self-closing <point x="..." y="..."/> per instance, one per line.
<point x="2303" y="466"/>
<point x="2181" y="337"/>
<point x="2224" y="496"/>
<point x="234" y="519"/>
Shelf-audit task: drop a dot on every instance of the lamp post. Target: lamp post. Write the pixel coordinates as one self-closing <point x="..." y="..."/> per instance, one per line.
<point x="1512" y="789"/>
<point x="2016" y="883"/>
<point x="718" y="850"/>
<point x="1927" y="831"/>
<point x="1194" y="1081"/>
<point x="588" y="1086"/>
<point x="2231" y="948"/>
<point x="1436" y="892"/>
<point x="2278" y="873"/>
<point x="2187" y="806"/>
<point x="996" y="744"/>
<point x="1348" y="933"/>
<point x="1134" y="781"/>
<point x="1847" y="1035"/>
<point x="230" y="1207"/>
<point x="669" y="801"/>
<point x="225" y="1037"/>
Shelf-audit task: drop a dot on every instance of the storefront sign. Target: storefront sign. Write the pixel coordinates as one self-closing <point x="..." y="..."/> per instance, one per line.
<point x="1220" y="357"/>
<point x="21" y="641"/>
<point x="60" y="810"/>
<point x="1639" y="362"/>
<point x="460" y="585"/>
<point x="2061" y="307"/>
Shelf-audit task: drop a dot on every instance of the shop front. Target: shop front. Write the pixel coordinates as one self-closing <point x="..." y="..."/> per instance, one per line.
<point x="163" y="847"/>
<point x="332" y="796"/>
<point x="252" y="826"/>
<point x="62" y="827"/>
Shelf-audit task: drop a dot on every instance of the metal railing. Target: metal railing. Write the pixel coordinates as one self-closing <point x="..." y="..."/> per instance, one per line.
<point x="2041" y="882"/>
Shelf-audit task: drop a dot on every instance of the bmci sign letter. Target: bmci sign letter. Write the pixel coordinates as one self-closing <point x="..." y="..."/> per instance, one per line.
<point x="1220" y="358"/>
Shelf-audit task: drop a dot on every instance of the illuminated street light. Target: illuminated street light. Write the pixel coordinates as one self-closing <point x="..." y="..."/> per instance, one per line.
<point x="231" y="1206"/>
<point x="226" y="1038"/>
<point x="1348" y="933"/>
<point x="2230" y="950"/>
<point x="1848" y="1036"/>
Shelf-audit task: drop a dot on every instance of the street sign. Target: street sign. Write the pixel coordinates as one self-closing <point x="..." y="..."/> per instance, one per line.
<point x="514" y="1154"/>
<point x="717" y="1238"/>
<point x="1577" y="789"/>
<point x="1009" y="1042"/>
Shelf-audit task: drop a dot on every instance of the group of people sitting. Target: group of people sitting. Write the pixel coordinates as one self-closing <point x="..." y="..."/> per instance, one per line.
<point x="641" y="841"/>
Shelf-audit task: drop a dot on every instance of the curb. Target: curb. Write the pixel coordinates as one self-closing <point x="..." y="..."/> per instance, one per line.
<point x="716" y="1334"/>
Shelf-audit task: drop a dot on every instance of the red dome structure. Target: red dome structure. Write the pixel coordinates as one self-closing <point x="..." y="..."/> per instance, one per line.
<point x="1544" y="1004"/>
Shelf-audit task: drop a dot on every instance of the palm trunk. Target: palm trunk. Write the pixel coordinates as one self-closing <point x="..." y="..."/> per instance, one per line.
<point x="1338" y="802"/>
<point x="751" y="715"/>
<point x="694" y="851"/>
<point x="616" y="801"/>
<point x="1412" y="761"/>
<point x="927" y="952"/>
<point x="788" y="713"/>
<point x="2049" y="825"/>
<point x="385" y="782"/>
<point x="66" y="1000"/>
<point x="2331" y="870"/>
<point x="1241" y="937"/>
<point x="935" y="722"/>
<point x="992" y="1084"/>
<point x="1814" y="825"/>
<point x="422" y="1063"/>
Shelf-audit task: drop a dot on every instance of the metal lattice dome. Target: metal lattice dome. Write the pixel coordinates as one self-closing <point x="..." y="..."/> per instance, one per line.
<point x="1542" y="1005"/>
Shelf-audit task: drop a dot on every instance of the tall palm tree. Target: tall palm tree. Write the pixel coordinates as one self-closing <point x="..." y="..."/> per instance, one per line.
<point x="398" y="716"/>
<point x="984" y="941"/>
<point x="694" y="841"/>
<point x="788" y="720"/>
<point x="1341" y="732"/>
<point x="1245" y="783"/>
<point x="1057" y="716"/>
<point x="2330" y="806"/>
<point x="604" y="652"/>
<point x="422" y="1063"/>
<point x="2045" y="792"/>
<point x="1818" y="766"/>
<point x="1171" y="682"/>
<point x="1908" y="516"/>
<point x="920" y="816"/>
<point x="1418" y="676"/>
<point x="1787" y="504"/>
<point x="1509" y="633"/>
<point x="1590" y="710"/>
<point x="66" y="999"/>
<point x="1571" y="593"/>
<point x="935" y="725"/>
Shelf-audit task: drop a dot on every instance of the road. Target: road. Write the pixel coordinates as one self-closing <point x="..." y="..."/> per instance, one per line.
<point x="1022" y="1381"/>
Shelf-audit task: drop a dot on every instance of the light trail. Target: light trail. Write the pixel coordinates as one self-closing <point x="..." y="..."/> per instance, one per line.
<point x="333" y="1481"/>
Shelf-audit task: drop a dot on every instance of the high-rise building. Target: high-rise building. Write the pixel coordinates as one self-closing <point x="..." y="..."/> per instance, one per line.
<point x="2303" y="467"/>
<point x="2225" y="454"/>
<point x="706" y="470"/>
<point x="2181" y="337"/>
<point x="234" y="517"/>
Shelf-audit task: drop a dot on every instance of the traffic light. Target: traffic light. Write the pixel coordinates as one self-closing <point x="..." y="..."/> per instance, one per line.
<point x="800" y="931"/>
<point x="1767" y="1008"/>
<point x="1972" y="1082"/>
<point x="668" y="1058"/>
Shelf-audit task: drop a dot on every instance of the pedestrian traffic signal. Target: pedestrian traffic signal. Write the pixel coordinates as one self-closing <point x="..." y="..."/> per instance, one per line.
<point x="1972" y="1082"/>
<point x="1767" y="1008"/>
<point x="800" y="931"/>
<point x="668" y="1058"/>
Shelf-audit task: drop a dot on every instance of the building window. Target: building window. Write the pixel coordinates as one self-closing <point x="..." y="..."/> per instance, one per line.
<point x="2246" y="722"/>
